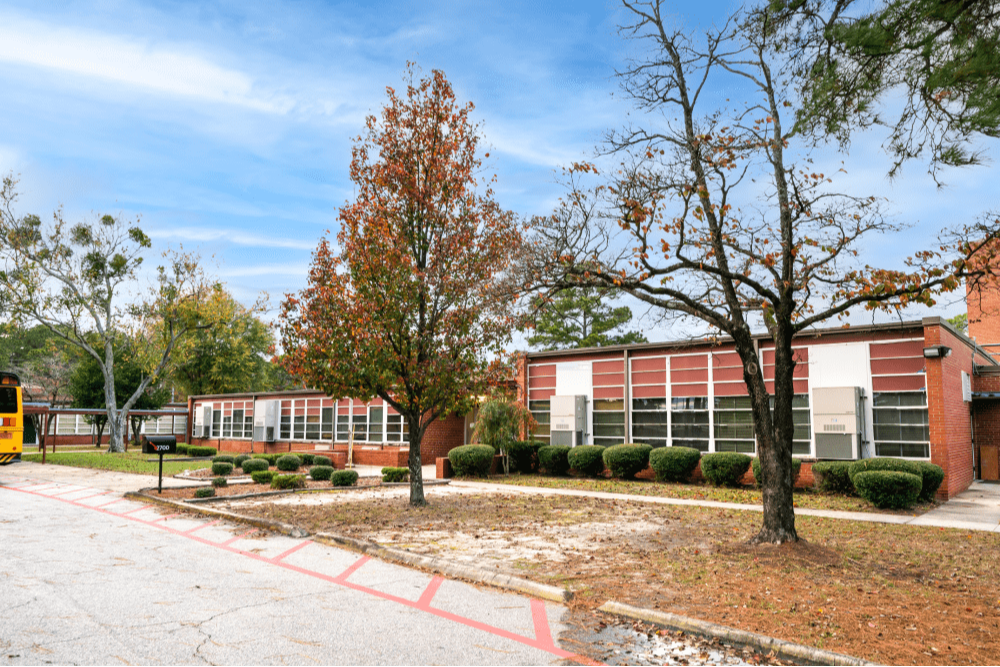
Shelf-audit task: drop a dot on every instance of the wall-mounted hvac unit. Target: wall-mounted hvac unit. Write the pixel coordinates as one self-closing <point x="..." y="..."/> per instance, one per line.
<point x="203" y="426"/>
<point x="265" y="420"/>
<point x="568" y="420"/>
<point x="840" y="422"/>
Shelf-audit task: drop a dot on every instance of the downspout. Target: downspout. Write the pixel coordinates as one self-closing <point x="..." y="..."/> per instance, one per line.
<point x="628" y="397"/>
<point x="976" y="474"/>
<point x="253" y="399"/>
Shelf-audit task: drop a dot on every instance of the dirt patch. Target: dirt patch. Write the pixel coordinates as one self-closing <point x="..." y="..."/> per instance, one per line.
<point x="893" y="594"/>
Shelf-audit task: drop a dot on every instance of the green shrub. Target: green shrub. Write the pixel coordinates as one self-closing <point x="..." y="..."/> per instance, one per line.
<point x="586" y="459"/>
<point x="182" y="449"/>
<point x="390" y="475"/>
<point x="204" y="492"/>
<point x="724" y="468"/>
<point x="674" y="464"/>
<point x="321" y="461"/>
<point x="270" y="458"/>
<point x="288" y="482"/>
<point x="833" y="477"/>
<point x="345" y="477"/>
<point x="288" y="463"/>
<point x="321" y="472"/>
<point x="307" y="459"/>
<point x="222" y="468"/>
<point x="262" y="476"/>
<point x="223" y="458"/>
<point x="201" y="451"/>
<point x="238" y="461"/>
<point x="220" y="481"/>
<point x="253" y="465"/>
<point x="884" y="463"/>
<point x="554" y="459"/>
<point x="890" y="489"/>
<point x="522" y="456"/>
<point x="626" y="460"/>
<point x="932" y="476"/>
<point x="755" y="466"/>
<point x="471" y="460"/>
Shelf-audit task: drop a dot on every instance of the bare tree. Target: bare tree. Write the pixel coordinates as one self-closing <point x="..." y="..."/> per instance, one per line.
<point x="73" y="279"/>
<point x="711" y="216"/>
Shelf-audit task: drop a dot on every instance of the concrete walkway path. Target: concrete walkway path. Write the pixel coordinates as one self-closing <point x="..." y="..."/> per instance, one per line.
<point x="111" y="480"/>
<point x="978" y="508"/>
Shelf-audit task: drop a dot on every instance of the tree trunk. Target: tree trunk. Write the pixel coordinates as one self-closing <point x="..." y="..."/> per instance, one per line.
<point x="775" y="454"/>
<point x="416" y="471"/>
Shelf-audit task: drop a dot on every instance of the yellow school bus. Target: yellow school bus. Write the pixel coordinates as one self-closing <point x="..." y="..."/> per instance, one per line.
<point x="11" y="419"/>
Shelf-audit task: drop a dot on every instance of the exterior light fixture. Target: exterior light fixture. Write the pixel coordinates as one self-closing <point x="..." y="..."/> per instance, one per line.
<point x="936" y="352"/>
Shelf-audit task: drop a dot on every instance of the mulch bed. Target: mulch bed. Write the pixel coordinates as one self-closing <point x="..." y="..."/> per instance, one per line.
<point x="891" y="594"/>
<point x="247" y="489"/>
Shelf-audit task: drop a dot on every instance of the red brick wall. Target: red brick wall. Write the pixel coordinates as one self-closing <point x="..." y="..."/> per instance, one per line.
<point x="983" y="306"/>
<point x="986" y="413"/>
<point x="949" y="416"/>
<point x="441" y="437"/>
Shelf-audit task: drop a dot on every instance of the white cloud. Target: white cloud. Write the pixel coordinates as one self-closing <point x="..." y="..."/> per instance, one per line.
<point x="133" y="62"/>
<point x="240" y="238"/>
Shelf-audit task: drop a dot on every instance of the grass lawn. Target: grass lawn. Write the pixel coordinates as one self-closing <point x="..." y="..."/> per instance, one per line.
<point x="805" y="498"/>
<point x="888" y="593"/>
<point x="133" y="462"/>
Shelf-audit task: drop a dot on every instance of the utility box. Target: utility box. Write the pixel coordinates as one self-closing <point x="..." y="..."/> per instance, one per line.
<point x="568" y="424"/>
<point x="203" y="427"/>
<point x="840" y="422"/>
<point x="265" y="420"/>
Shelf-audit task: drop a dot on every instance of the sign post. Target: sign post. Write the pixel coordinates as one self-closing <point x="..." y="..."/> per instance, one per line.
<point x="159" y="444"/>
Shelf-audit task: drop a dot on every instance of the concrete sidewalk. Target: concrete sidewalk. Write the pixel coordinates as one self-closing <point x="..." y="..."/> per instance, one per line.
<point x="978" y="508"/>
<point x="110" y="480"/>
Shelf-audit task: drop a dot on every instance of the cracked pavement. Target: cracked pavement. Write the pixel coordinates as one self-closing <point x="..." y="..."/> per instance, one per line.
<point x="90" y="578"/>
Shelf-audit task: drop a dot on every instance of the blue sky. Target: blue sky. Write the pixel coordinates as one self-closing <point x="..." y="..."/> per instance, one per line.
<point x="227" y="125"/>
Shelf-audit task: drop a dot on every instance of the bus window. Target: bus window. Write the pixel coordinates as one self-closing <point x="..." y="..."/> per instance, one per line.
<point x="8" y="400"/>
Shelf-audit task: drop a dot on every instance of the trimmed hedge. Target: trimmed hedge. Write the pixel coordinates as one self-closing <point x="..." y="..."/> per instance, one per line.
<point x="201" y="451"/>
<point x="932" y="476"/>
<point x="626" y="460"/>
<point x="270" y="458"/>
<point x="471" y="460"/>
<point x="288" y="463"/>
<point x="204" y="492"/>
<point x="253" y="465"/>
<point x="238" y="461"/>
<point x="724" y="468"/>
<point x="262" y="476"/>
<point x="222" y="468"/>
<point x="891" y="489"/>
<point x="833" y="477"/>
<point x="346" y="477"/>
<point x="587" y="459"/>
<point x="884" y="463"/>
<point x="390" y="474"/>
<point x="220" y="481"/>
<point x="321" y="461"/>
<point x="522" y="456"/>
<point x="182" y="448"/>
<point x="755" y="466"/>
<point x="321" y="472"/>
<point x="224" y="458"/>
<point x="307" y="459"/>
<point x="288" y="482"/>
<point x="674" y="464"/>
<point x="553" y="459"/>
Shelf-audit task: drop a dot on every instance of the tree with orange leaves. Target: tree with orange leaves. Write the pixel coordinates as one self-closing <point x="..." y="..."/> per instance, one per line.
<point x="716" y="214"/>
<point x="412" y="303"/>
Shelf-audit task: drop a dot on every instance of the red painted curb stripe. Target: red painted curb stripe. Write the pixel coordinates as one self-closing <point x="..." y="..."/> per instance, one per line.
<point x="432" y="588"/>
<point x="341" y="579"/>
<point x="277" y="559"/>
<point x="111" y="503"/>
<point x="204" y="525"/>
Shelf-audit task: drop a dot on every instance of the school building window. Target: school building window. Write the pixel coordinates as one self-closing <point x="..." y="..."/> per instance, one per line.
<point x="689" y="423"/>
<point x="650" y="421"/>
<point x="541" y="411"/>
<point x="901" y="424"/>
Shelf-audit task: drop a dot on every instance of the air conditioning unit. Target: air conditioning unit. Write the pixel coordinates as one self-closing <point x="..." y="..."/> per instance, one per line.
<point x="265" y="420"/>
<point x="203" y="426"/>
<point x="568" y="420"/>
<point x="839" y="414"/>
